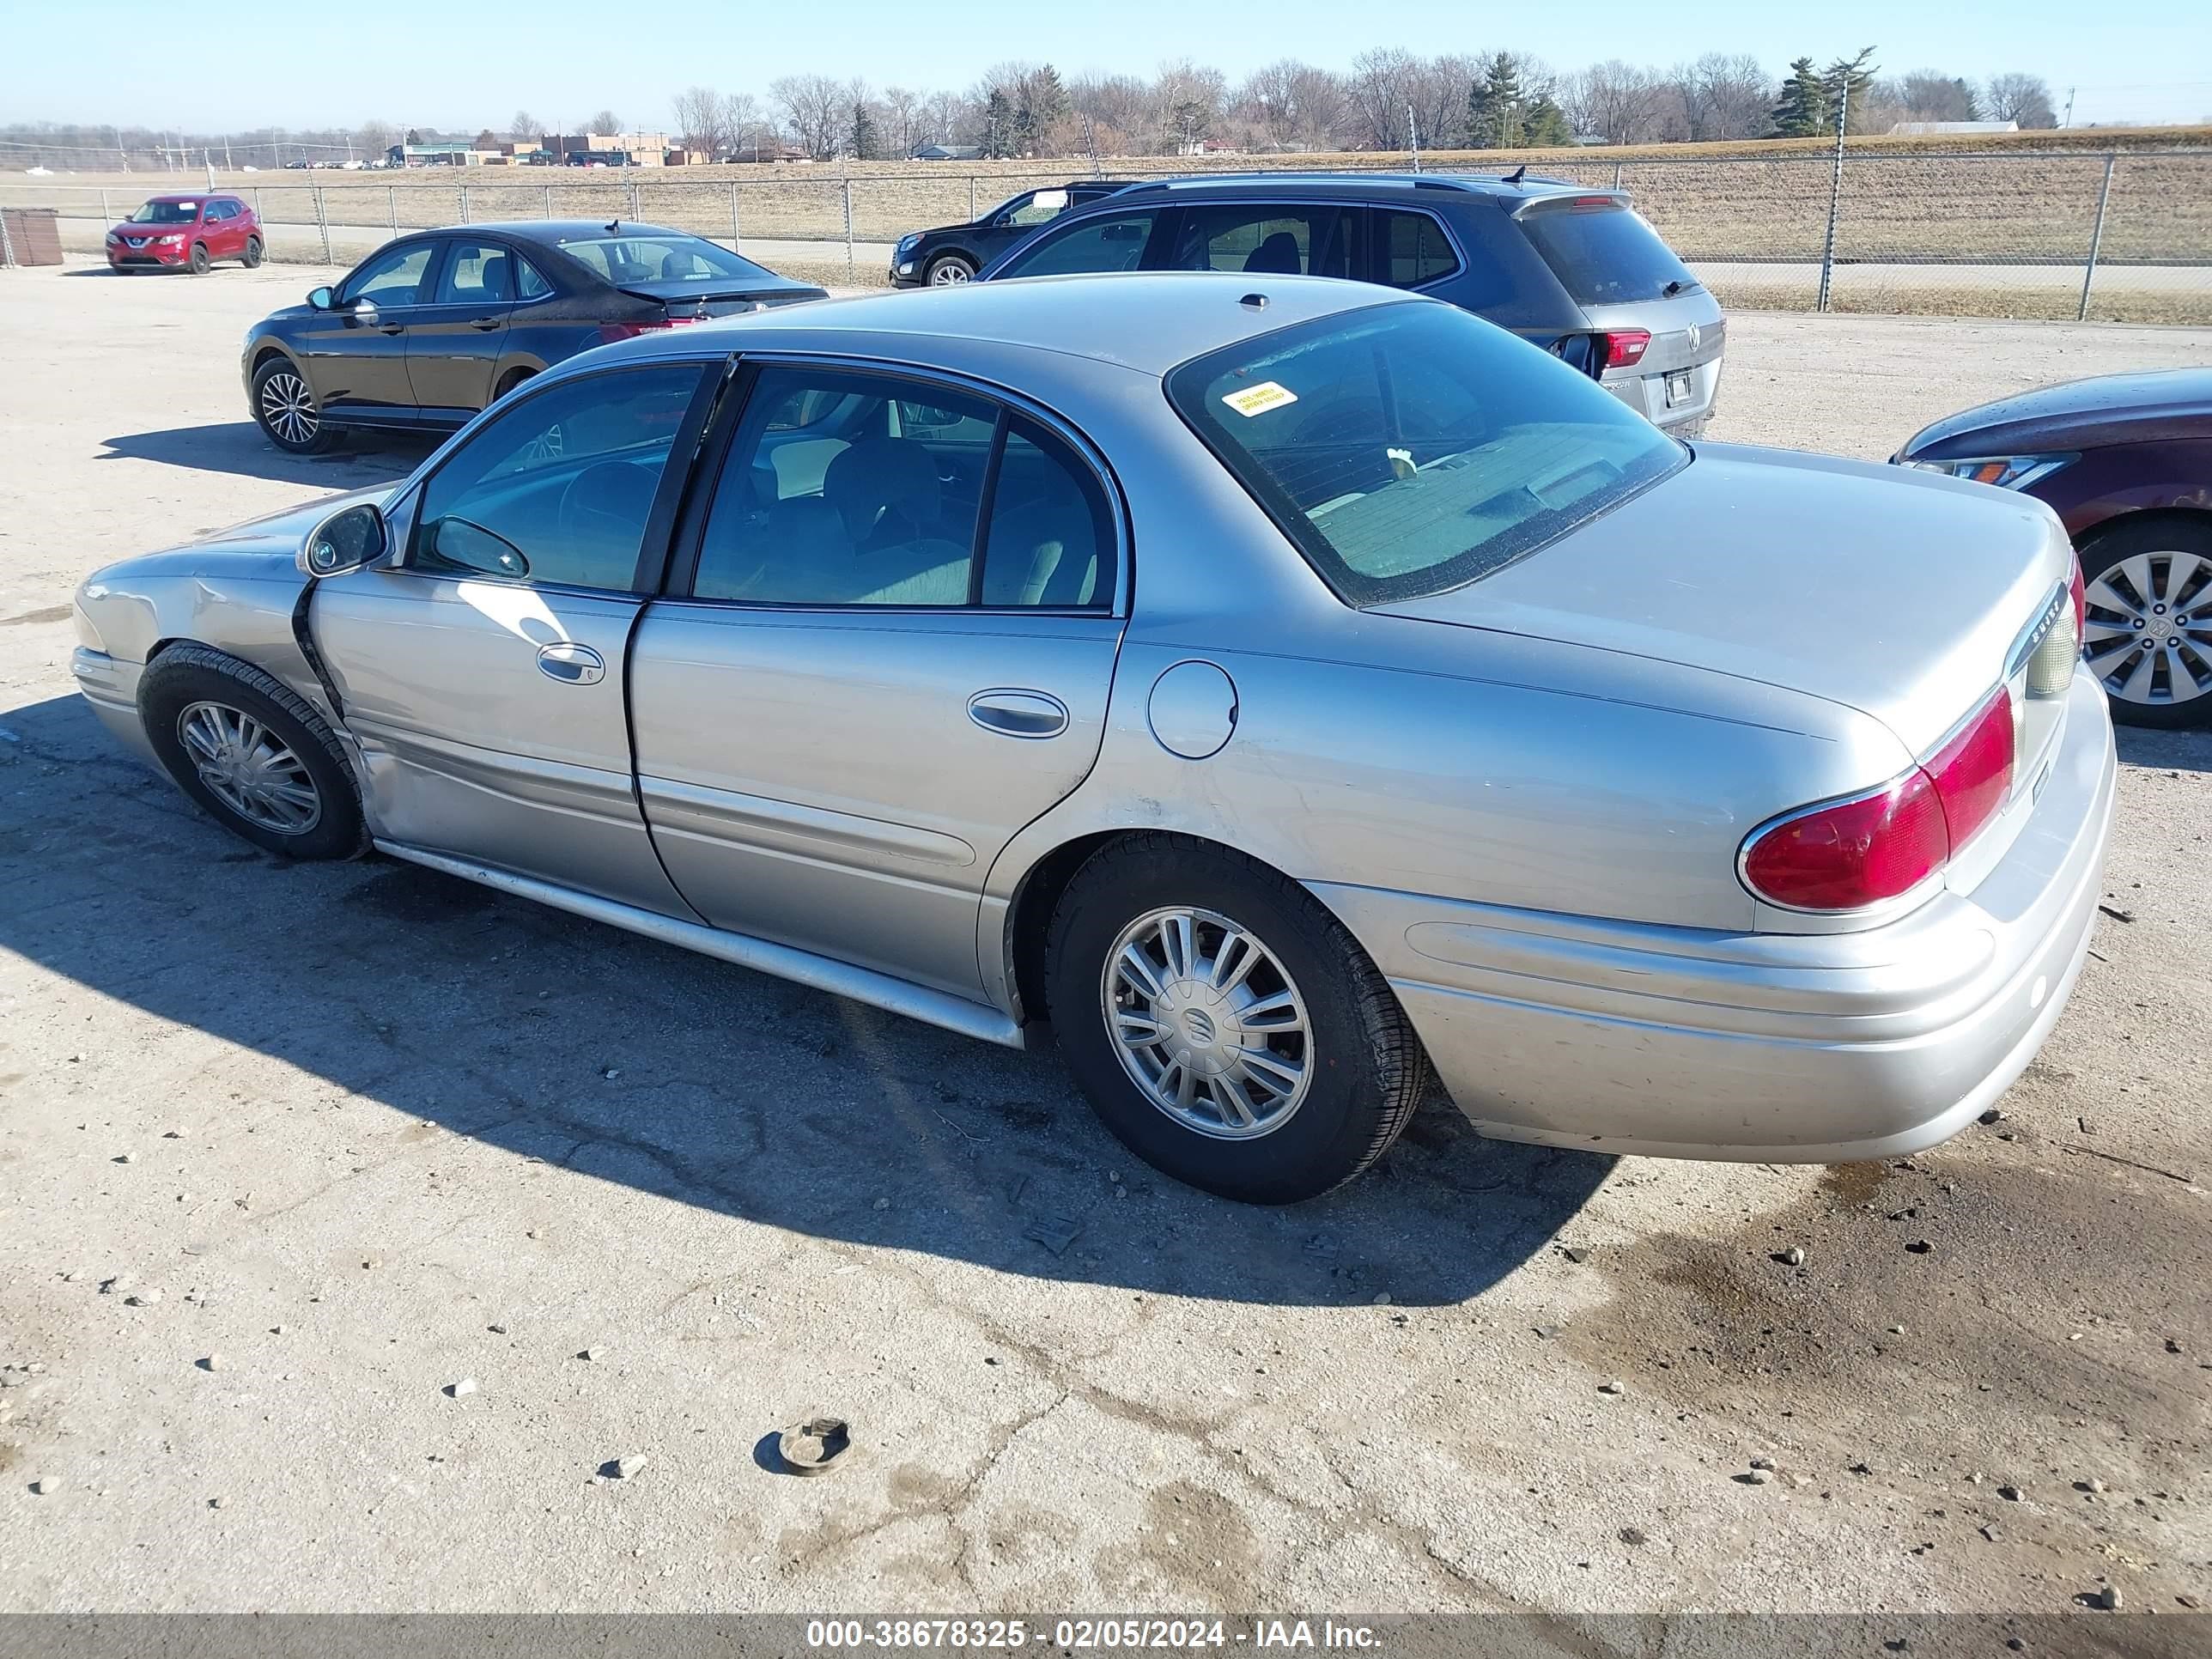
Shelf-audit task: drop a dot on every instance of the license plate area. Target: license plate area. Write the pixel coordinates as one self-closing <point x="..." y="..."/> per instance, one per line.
<point x="1678" y="389"/>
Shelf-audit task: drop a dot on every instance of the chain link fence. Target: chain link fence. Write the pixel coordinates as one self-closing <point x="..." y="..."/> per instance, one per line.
<point x="2118" y="236"/>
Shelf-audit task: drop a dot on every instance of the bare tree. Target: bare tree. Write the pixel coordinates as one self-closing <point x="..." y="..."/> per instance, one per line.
<point x="902" y="119"/>
<point x="522" y="125"/>
<point x="606" y="123"/>
<point x="1120" y="109"/>
<point x="745" y="131"/>
<point x="1266" y="101"/>
<point x="699" y="120"/>
<point x="1932" y="95"/>
<point x="1437" y="89"/>
<point x="2022" y="98"/>
<point x="1381" y="88"/>
<point x="1615" y="102"/>
<point x="944" y="115"/>
<point x="376" y="137"/>
<point x="1724" y="95"/>
<point x="1190" y="98"/>
<point x="813" y="107"/>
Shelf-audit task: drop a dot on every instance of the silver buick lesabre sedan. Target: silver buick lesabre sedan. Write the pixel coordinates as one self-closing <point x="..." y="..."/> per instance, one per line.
<point x="1280" y="687"/>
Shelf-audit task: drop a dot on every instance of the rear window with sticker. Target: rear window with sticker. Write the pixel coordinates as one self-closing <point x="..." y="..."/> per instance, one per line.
<point x="1410" y="448"/>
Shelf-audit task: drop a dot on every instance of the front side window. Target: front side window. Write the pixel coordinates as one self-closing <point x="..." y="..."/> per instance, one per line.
<point x="1115" y="243"/>
<point x="1277" y="239"/>
<point x="477" y="273"/>
<point x="1409" y="448"/>
<point x="393" y="277"/>
<point x="1042" y="205"/>
<point x="558" y="488"/>
<point x="844" y="488"/>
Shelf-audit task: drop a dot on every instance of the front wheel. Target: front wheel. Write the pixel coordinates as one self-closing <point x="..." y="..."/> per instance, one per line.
<point x="285" y="410"/>
<point x="2147" y="631"/>
<point x="951" y="269"/>
<point x="257" y="758"/>
<point x="199" y="260"/>
<point x="1223" y="1025"/>
<point x="251" y="258"/>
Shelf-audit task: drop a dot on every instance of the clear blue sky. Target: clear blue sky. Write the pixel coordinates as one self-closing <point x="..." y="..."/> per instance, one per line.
<point x="250" y="62"/>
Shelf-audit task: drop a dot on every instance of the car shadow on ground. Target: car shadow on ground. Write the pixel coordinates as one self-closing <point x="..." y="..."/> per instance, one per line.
<point x="2176" y="751"/>
<point x="239" y="447"/>
<point x="616" y="1059"/>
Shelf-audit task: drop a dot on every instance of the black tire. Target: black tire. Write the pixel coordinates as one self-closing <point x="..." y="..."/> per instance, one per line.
<point x="514" y="378"/>
<point x="199" y="261"/>
<point x="186" y="676"/>
<point x="1368" y="1069"/>
<point x="251" y="258"/>
<point x="949" y="269"/>
<point x="269" y="406"/>
<point x="2159" y="537"/>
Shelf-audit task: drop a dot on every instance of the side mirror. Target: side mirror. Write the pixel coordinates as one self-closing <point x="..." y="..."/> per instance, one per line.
<point x="320" y="298"/>
<point x="350" y="538"/>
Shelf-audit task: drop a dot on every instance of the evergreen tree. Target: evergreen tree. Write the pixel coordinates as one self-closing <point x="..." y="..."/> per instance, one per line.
<point x="1846" y="81"/>
<point x="1495" y="114"/>
<point x="998" y="124"/>
<point x="1803" y="111"/>
<point x="1042" y="105"/>
<point x="1544" y="125"/>
<point x="862" y="138"/>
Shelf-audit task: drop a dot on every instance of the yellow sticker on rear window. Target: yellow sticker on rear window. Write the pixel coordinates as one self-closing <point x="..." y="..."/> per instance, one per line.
<point x="1258" y="399"/>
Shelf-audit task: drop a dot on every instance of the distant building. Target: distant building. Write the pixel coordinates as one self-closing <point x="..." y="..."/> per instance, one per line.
<point x="947" y="152"/>
<point x="1926" y="129"/>
<point x="612" y="150"/>
<point x="455" y="154"/>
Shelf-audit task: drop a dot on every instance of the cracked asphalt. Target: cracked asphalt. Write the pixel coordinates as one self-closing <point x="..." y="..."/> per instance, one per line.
<point x="370" y="1132"/>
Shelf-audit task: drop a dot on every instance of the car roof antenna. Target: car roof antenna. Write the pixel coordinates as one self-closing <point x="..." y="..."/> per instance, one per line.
<point x="614" y="226"/>
<point x="1517" y="174"/>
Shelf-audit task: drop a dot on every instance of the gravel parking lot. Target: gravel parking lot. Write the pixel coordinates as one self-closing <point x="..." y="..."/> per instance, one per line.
<point x="292" y="1151"/>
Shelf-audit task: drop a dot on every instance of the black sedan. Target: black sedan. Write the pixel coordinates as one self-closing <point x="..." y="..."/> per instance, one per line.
<point x="434" y="326"/>
<point x="954" y="253"/>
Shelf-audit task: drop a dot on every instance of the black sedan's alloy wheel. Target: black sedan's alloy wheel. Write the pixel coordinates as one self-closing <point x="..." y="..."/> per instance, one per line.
<point x="285" y="410"/>
<point x="2147" y="634"/>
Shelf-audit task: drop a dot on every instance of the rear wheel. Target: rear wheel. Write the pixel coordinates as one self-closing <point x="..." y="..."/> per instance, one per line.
<point x="254" y="755"/>
<point x="285" y="410"/>
<point x="1224" y="1026"/>
<point x="253" y="255"/>
<point x="2148" y="632"/>
<point x="950" y="269"/>
<point x="199" y="260"/>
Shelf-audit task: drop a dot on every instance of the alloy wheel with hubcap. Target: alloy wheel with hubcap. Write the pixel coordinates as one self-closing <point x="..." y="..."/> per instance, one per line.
<point x="2147" y="634"/>
<point x="1208" y="1023"/>
<point x="950" y="271"/>
<point x="249" y="769"/>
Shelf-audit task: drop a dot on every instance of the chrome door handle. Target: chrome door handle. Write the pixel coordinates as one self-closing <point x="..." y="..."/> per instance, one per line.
<point x="1017" y="714"/>
<point x="571" y="663"/>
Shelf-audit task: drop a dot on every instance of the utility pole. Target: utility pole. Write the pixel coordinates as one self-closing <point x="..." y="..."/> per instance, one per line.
<point x="2067" y="120"/>
<point x="1413" y="136"/>
<point x="119" y="150"/>
<point x="1835" y="190"/>
<point x="227" y="166"/>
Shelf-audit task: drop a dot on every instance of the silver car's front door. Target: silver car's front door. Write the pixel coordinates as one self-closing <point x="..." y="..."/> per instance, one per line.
<point x="886" y="667"/>
<point x="482" y="679"/>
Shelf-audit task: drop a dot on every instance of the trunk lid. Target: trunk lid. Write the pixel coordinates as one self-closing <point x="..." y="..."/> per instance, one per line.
<point x="722" y="296"/>
<point x="1803" y="571"/>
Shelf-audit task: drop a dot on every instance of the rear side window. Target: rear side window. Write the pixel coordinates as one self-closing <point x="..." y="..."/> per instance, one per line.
<point x="1276" y="240"/>
<point x="1603" y="254"/>
<point x="1409" y="448"/>
<point x="1116" y="243"/>
<point x="1411" y="249"/>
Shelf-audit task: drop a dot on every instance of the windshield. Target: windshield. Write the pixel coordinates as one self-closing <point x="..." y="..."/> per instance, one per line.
<point x="664" y="257"/>
<point x="1606" y="255"/>
<point x="167" y="213"/>
<point x="1411" y="448"/>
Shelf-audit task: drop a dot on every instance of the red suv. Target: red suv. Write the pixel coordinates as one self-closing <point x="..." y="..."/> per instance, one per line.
<point x="191" y="231"/>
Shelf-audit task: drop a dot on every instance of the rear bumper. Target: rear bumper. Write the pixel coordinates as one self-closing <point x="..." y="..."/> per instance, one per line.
<point x="1808" y="1049"/>
<point x="1646" y="393"/>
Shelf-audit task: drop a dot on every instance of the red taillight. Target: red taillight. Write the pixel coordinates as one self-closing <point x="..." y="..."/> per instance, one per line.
<point x="1851" y="853"/>
<point x="610" y="333"/>
<point x="1625" y="346"/>
<point x="2080" y="591"/>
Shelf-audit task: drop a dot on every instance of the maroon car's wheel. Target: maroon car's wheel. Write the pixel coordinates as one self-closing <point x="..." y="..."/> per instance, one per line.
<point x="199" y="261"/>
<point x="253" y="255"/>
<point x="2147" y="634"/>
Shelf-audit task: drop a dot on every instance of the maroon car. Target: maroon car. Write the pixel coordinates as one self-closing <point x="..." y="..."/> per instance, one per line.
<point x="186" y="231"/>
<point x="2126" y="461"/>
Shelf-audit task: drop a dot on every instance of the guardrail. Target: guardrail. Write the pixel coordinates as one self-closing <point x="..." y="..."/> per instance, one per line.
<point x="2123" y="235"/>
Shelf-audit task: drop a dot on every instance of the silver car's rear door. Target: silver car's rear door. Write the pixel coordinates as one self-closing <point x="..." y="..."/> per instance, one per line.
<point x="844" y="716"/>
<point x="482" y="677"/>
